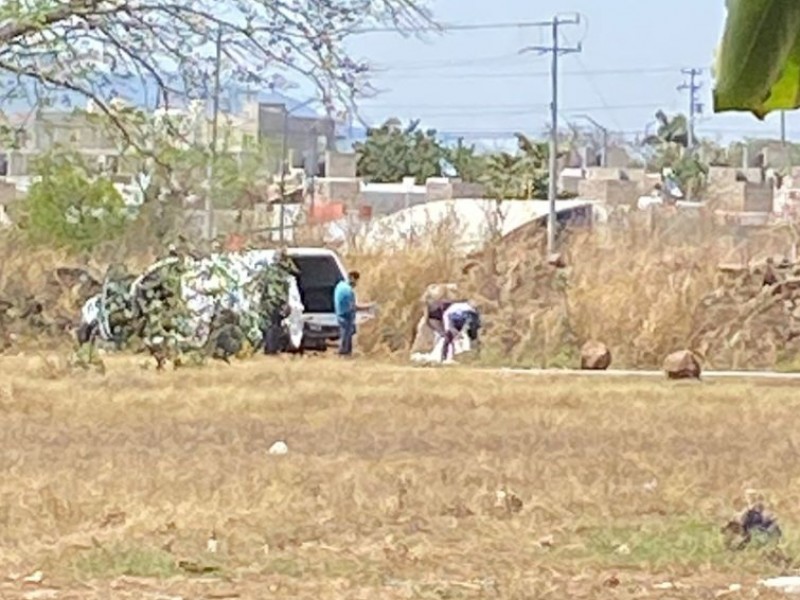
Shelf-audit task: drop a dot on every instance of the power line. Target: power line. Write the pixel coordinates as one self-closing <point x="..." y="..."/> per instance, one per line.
<point x="455" y="27"/>
<point x="596" y="88"/>
<point x="449" y="62"/>
<point x="512" y="109"/>
<point x="509" y="133"/>
<point x="643" y="71"/>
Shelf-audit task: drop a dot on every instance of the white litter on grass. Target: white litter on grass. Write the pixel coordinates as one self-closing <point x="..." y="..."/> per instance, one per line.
<point x="788" y="585"/>
<point x="665" y="585"/>
<point x="279" y="448"/>
<point x="35" y="577"/>
<point x="460" y="345"/>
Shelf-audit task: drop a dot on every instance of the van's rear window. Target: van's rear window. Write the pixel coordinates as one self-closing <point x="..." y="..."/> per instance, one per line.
<point x="317" y="278"/>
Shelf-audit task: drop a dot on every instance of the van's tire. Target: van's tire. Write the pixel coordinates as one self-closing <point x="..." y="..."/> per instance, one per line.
<point x="314" y="345"/>
<point x="85" y="333"/>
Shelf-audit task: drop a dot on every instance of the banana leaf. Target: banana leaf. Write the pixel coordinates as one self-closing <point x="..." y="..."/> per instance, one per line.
<point x="758" y="64"/>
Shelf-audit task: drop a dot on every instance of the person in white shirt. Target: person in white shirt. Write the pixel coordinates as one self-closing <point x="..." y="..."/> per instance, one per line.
<point x="457" y="317"/>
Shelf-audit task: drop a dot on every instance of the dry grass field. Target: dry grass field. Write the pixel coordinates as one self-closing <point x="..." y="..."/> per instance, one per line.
<point x="111" y="484"/>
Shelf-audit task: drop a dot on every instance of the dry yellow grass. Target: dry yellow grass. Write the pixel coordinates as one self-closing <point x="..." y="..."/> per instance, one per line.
<point x="389" y="489"/>
<point x="635" y="286"/>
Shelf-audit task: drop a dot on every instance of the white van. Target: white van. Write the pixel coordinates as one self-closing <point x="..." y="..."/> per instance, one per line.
<point x="311" y="323"/>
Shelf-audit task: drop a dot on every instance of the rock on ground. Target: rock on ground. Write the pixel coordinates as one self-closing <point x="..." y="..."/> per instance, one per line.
<point x="682" y="365"/>
<point x="595" y="356"/>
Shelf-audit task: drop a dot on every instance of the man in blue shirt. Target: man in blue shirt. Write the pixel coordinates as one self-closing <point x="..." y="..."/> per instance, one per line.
<point x="344" y="305"/>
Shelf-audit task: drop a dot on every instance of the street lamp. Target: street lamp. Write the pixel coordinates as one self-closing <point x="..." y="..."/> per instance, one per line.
<point x="284" y="159"/>
<point x="604" y="159"/>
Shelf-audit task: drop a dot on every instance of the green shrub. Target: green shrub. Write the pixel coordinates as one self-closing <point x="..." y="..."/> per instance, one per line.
<point x="69" y="206"/>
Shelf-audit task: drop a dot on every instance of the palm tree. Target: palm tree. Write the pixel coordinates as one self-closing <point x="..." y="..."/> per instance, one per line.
<point x="670" y="131"/>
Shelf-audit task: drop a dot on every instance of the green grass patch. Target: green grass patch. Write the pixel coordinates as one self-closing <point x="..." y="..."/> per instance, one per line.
<point x="669" y="543"/>
<point x="133" y="561"/>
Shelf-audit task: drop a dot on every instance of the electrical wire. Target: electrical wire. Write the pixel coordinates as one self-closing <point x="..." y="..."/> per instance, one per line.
<point x="426" y="65"/>
<point x="641" y="71"/>
<point x="489" y="109"/>
<point x="455" y="27"/>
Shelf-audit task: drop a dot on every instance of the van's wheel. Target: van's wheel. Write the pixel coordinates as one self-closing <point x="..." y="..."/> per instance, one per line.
<point x="315" y="346"/>
<point x="85" y="333"/>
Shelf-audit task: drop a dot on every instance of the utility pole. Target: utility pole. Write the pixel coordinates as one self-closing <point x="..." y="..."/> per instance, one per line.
<point x="556" y="50"/>
<point x="695" y="106"/>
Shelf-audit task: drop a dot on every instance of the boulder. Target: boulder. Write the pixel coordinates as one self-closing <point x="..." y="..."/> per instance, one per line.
<point x="557" y="261"/>
<point x="682" y="365"/>
<point x="595" y="356"/>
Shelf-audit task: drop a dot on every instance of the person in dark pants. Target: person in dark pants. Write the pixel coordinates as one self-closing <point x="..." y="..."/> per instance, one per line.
<point x="274" y="332"/>
<point x="344" y="304"/>
<point x="458" y="317"/>
<point x="435" y="314"/>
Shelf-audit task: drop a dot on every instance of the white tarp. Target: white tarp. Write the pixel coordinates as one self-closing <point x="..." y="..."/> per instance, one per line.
<point x="460" y="345"/>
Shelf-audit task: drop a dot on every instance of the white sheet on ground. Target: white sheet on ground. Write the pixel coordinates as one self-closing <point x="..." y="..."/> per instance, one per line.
<point x="460" y="345"/>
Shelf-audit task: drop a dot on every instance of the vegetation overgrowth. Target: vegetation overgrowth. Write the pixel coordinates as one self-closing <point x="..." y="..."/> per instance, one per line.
<point x="635" y="284"/>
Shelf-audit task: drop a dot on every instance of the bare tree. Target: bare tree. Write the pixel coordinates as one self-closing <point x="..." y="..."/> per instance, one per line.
<point x="90" y="46"/>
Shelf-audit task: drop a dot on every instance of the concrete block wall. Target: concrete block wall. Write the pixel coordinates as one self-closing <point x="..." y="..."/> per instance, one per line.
<point x="442" y="188"/>
<point x="728" y="174"/>
<point x="740" y="196"/>
<point x="758" y="198"/>
<point x="611" y="192"/>
<point x="340" y="164"/>
<point x="8" y="193"/>
<point x="337" y="190"/>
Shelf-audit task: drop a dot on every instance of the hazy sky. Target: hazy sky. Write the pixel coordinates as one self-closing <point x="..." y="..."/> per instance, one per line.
<point x="633" y="53"/>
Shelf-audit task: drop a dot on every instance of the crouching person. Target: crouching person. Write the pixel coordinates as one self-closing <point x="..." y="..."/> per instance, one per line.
<point x="450" y="319"/>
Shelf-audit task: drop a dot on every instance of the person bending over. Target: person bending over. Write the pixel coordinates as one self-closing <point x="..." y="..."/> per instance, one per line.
<point x="458" y="317"/>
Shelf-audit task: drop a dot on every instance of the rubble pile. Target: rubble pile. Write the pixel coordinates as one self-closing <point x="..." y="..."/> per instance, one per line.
<point x="525" y="301"/>
<point x="49" y="307"/>
<point x="752" y="319"/>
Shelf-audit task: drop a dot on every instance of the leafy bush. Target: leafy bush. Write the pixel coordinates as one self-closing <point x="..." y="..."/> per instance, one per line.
<point x="69" y="206"/>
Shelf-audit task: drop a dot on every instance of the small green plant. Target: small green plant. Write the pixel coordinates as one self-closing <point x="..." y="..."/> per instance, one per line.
<point x="116" y="561"/>
<point x="86" y="357"/>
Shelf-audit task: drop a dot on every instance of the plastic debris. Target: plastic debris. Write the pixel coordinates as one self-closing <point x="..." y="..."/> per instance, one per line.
<point x="279" y="448"/>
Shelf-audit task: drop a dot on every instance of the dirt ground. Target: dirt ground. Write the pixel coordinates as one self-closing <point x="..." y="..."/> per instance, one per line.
<point x="398" y="482"/>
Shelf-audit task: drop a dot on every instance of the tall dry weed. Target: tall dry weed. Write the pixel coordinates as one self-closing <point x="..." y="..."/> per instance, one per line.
<point x="634" y="284"/>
